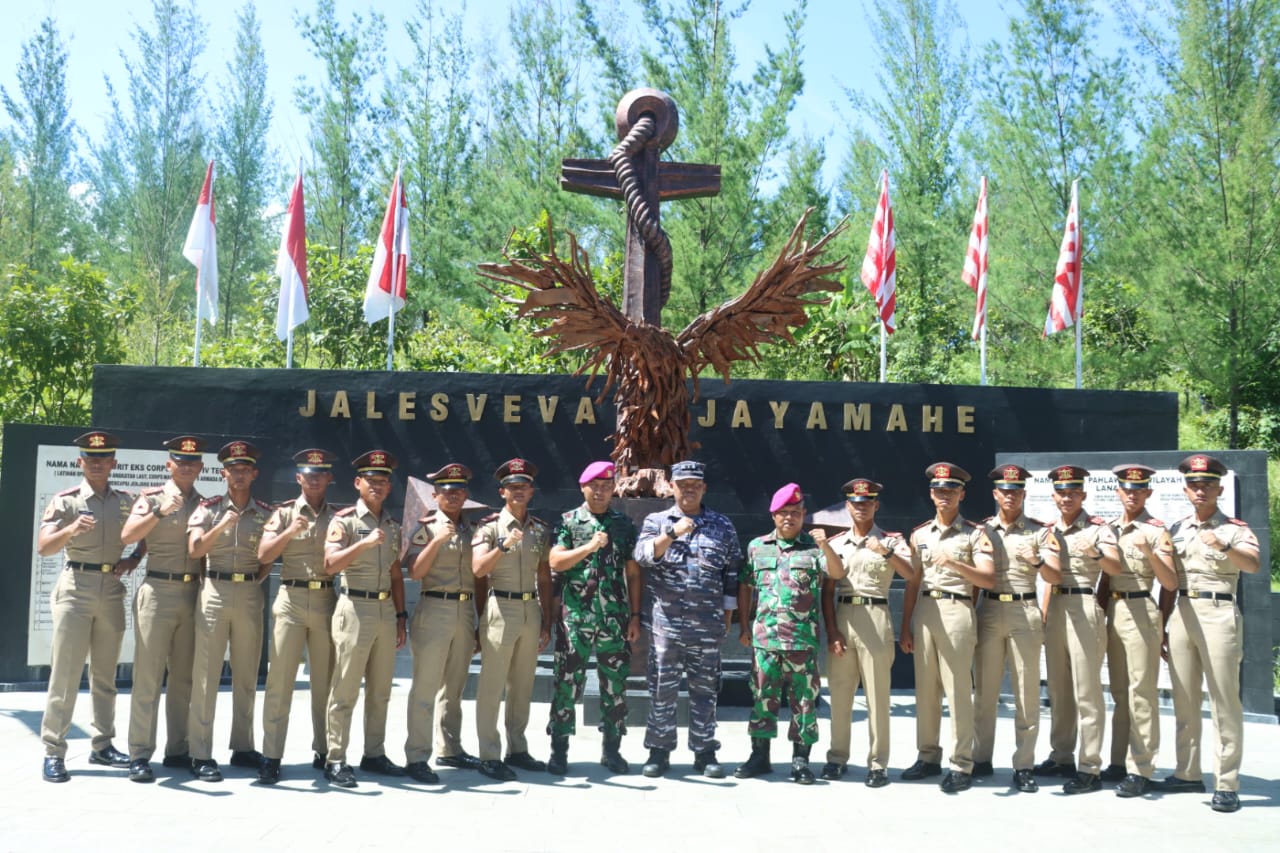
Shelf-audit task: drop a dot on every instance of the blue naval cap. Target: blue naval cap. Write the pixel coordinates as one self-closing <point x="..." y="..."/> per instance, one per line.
<point x="688" y="470"/>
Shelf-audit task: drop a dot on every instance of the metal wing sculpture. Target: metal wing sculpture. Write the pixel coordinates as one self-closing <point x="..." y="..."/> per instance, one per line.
<point x="645" y="363"/>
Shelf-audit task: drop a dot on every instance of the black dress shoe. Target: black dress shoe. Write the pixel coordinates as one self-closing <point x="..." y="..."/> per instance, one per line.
<point x="381" y="765"/>
<point x="1174" y="785"/>
<point x="1133" y="786"/>
<point x="205" y="770"/>
<point x="177" y="761"/>
<point x="1049" y="767"/>
<point x="1225" y="801"/>
<point x="497" y="771"/>
<point x="269" y="771"/>
<point x="832" y="771"/>
<point x="708" y="765"/>
<point x="55" y="769"/>
<point x="318" y="761"/>
<point x="983" y="768"/>
<point x="955" y="782"/>
<point x="250" y="759"/>
<point x="109" y="757"/>
<point x="525" y="761"/>
<point x="1025" y="781"/>
<point x="921" y="770"/>
<point x="461" y="760"/>
<point x="340" y="773"/>
<point x="659" y="763"/>
<point x="420" y="771"/>
<point x="876" y="779"/>
<point x="1084" y="783"/>
<point x="1114" y="773"/>
<point x="140" y="771"/>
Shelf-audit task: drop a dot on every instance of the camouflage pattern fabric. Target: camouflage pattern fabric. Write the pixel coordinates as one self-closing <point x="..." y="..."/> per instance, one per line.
<point x="788" y="580"/>
<point x="798" y="672"/>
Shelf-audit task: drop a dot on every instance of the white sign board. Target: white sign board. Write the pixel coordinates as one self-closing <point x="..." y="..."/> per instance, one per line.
<point x="1167" y="502"/>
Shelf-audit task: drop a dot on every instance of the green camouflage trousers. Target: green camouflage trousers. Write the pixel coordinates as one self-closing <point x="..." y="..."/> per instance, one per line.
<point x="574" y="641"/>
<point x="798" y="672"/>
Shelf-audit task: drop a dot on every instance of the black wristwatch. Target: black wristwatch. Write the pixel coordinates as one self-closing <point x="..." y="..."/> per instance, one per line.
<point x="403" y="614"/>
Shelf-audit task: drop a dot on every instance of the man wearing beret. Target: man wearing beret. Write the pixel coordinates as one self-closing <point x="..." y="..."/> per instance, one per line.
<point x="87" y="604"/>
<point x="225" y="532"/>
<point x="303" y="610"/>
<point x="443" y="632"/>
<point x="164" y="611"/>
<point x="855" y="609"/>
<point x="944" y="632"/>
<point x="600" y="589"/>
<point x="787" y="567"/>
<point x="369" y="620"/>
<point x="509" y="549"/>
<point x="691" y="556"/>
<point x="1082" y="547"/>
<point x="1134" y="632"/>
<point x="1010" y="627"/>
<point x="1210" y="550"/>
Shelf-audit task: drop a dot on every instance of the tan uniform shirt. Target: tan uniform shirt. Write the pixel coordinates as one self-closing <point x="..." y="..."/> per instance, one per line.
<point x="370" y="571"/>
<point x="235" y="550"/>
<point x="931" y="543"/>
<point x="451" y="571"/>
<point x="167" y="541"/>
<point x="100" y="545"/>
<point x="1072" y="542"/>
<point x="303" y="556"/>
<point x="1203" y="567"/>
<point x="869" y="573"/>
<point x="517" y="570"/>
<point x="1003" y="542"/>
<point x="1138" y="574"/>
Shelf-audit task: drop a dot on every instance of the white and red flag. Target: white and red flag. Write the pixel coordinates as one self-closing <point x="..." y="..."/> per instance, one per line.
<point x="879" y="267"/>
<point x="386" y="291"/>
<point x="201" y="249"/>
<point x="291" y="266"/>
<point x="975" y="261"/>
<point x="1065" y="304"/>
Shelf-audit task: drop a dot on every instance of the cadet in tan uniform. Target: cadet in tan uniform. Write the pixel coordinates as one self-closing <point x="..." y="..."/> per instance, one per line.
<point x="369" y="621"/>
<point x="945" y="577"/>
<point x="1134" y="632"/>
<point x="302" y="614"/>
<point x="1010" y="627"/>
<point x="510" y="549"/>
<point x="164" y="611"/>
<point x="855" y="609"/>
<point x="87" y="604"/>
<point x="443" y="635"/>
<point x="225" y="531"/>
<point x="1075" y="636"/>
<point x="1206" y="632"/>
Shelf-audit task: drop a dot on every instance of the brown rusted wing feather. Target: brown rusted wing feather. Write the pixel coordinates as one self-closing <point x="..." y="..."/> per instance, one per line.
<point x="772" y="306"/>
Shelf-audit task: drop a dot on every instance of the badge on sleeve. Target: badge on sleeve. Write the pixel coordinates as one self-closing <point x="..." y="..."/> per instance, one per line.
<point x="335" y="533"/>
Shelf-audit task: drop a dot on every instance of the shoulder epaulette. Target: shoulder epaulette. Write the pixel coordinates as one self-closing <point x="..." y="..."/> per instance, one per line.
<point x="1155" y="522"/>
<point x="344" y="512"/>
<point x="493" y="516"/>
<point x="154" y="490"/>
<point x="212" y="501"/>
<point x="430" y="516"/>
<point x="893" y="533"/>
<point x="922" y="525"/>
<point x="989" y="519"/>
<point x="535" y="518"/>
<point x="263" y="505"/>
<point x="1097" y="519"/>
<point x="71" y="491"/>
<point x="971" y="523"/>
<point x="1238" y="522"/>
<point x="843" y="534"/>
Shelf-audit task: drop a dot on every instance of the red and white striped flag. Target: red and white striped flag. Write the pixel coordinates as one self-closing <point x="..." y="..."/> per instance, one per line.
<point x="1064" y="305"/>
<point x="201" y="249"/>
<point x="387" y="277"/>
<point x="291" y="265"/>
<point x="879" y="267"/>
<point x="975" y="261"/>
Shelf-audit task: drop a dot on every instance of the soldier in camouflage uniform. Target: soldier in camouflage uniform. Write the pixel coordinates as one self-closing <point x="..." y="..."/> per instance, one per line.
<point x="599" y="584"/>
<point x="691" y="556"/>
<point x="786" y="567"/>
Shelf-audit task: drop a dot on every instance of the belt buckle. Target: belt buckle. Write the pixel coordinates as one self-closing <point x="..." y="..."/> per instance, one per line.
<point x="237" y="577"/>
<point x="935" y="593"/>
<point x="188" y="578"/>
<point x="855" y="599"/>
<point x="526" y="596"/>
<point x="383" y="596"/>
<point x="1004" y="596"/>
<point x="106" y="567"/>
<point x="464" y="596"/>
<point x="315" y="585"/>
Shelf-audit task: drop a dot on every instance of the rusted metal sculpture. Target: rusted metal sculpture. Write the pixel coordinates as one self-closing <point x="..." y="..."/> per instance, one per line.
<point x="645" y="363"/>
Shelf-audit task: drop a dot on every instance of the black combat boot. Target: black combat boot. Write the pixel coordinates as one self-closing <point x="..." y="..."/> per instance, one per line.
<point x="611" y="758"/>
<point x="758" y="764"/>
<point x="558" y="764"/>
<point x="800" y="771"/>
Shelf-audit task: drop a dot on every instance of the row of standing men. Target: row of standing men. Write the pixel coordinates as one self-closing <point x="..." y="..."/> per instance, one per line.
<point x="504" y="584"/>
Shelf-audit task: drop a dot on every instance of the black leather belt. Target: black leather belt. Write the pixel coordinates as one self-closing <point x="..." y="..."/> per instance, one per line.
<point x="1008" y="596"/>
<point x="234" y="577"/>
<point x="518" y="596"/>
<point x="1123" y="595"/>
<point x="1072" y="590"/>
<point x="91" y="567"/>
<point x="376" y="596"/>
<point x="169" y="576"/>
<point x="950" y="596"/>
<point x="1209" y="596"/>
<point x="448" y="596"/>
<point x="861" y="599"/>
<point x="297" y="583"/>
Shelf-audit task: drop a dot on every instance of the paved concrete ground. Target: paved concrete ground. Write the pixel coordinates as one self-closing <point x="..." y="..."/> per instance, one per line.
<point x="593" y="811"/>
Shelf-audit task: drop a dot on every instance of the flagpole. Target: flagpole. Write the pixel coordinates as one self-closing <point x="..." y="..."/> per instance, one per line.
<point x="883" y="361"/>
<point x="288" y="351"/>
<point x="1075" y="203"/>
<point x="982" y="354"/>
<point x="197" y="358"/>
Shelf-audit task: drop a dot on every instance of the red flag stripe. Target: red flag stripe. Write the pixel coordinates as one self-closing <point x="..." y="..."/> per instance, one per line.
<point x="880" y="266"/>
<point x="976" y="261"/>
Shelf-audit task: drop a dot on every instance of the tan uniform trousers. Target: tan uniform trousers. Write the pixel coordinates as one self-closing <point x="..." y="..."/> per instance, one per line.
<point x="228" y="613"/>
<point x="945" y="636"/>
<point x="508" y="659"/>
<point x="1074" y="640"/>
<point x="1133" y="663"/>
<point x="300" y="619"/>
<point x="442" y="638"/>
<point x="164" y="638"/>
<point x="868" y="658"/>
<point x="88" y="620"/>
<point x="1205" y="643"/>
<point x="1009" y="632"/>
<point x="364" y="647"/>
